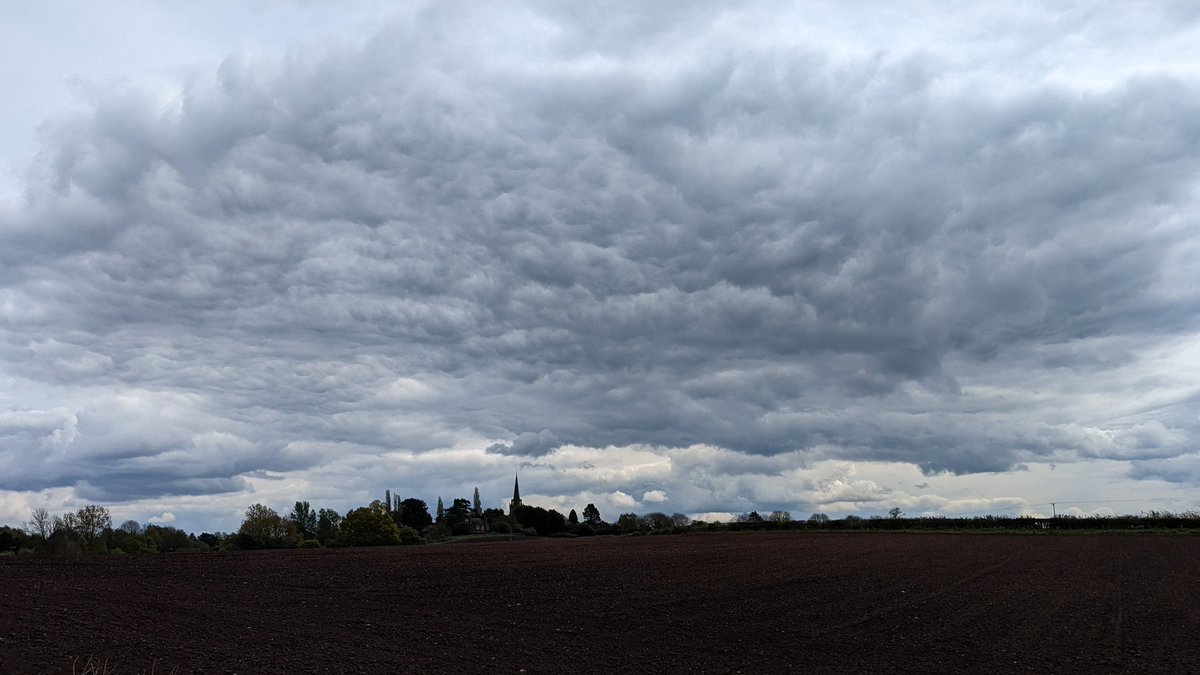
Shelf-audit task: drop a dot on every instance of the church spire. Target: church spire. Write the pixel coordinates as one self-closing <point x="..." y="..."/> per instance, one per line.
<point x="516" y="500"/>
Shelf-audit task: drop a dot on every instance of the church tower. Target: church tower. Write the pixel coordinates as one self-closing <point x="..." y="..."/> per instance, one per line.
<point x="516" y="500"/>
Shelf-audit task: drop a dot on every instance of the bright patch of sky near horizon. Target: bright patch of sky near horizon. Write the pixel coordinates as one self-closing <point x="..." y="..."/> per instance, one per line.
<point x="682" y="258"/>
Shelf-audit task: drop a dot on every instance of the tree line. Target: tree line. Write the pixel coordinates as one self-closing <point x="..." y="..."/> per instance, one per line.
<point x="394" y="521"/>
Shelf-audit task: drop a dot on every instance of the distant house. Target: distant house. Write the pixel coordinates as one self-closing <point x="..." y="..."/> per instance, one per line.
<point x="478" y="526"/>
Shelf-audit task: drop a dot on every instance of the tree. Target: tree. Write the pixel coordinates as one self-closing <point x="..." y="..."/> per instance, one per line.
<point x="591" y="515"/>
<point x="369" y="527"/>
<point x="819" y="518"/>
<point x="895" y="513"/>
<point x="680" y="520"/>
<point x="11" y="539"/>
<point x="751" y="517"/>
<point x="41" y="523"/>
<point x="459" y="512"/>
<point x="91" y="522"/>
<point x="477" y="511"/>
<point x="328" y="526"/>
<point x="441" y="510"/>
<point x="779" y="517"/>
<point x="572" y="518"/>
<point x="130" y="527"/>
<point x="628" y="522"/>
<point x="387" y="500"/>
<point x="414" y="513"/>
<point x="304" y="519"/>
<point x="264" y="528"/>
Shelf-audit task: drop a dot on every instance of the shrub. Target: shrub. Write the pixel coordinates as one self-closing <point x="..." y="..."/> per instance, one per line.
<point x="310" y="543"/>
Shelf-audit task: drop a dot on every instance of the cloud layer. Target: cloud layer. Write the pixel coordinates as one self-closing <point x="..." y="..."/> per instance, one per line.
<point x="510" y="233"/>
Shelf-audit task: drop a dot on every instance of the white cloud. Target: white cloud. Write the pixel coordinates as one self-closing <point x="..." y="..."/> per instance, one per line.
<point x="166" y="517"/>
<point x="654" y="496"/>
<point x="621" y="500"/>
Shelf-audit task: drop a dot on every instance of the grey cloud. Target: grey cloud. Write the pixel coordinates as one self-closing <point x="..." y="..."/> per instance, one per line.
<point x="668" y="240"/>
<point x="528" y="444"/>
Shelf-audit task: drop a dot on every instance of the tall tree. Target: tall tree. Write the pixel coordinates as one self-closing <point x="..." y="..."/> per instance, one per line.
<point x="328" y="524"/>
<point x="459" y="511"/>
<point x="572" y="518"/>
<point x="477" y="511"/>
<point x="92" y="521"/>
<point x="387" y="500"/>
<point x="41" y="522"/>
<point x="304" y="518"/>
<point x="591" y="515"/>
<point x="263" y="528"/>
<point x="441" y="510"/>
<point x="414" y="513"/>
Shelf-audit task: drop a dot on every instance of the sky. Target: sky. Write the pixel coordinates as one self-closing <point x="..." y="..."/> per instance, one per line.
<point x="699" y="258"/>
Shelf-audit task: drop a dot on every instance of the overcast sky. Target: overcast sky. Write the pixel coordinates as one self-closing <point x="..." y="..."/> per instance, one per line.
<point x="701" y="258"/>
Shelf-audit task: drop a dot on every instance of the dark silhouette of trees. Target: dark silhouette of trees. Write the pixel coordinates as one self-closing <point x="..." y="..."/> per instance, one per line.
<point x="304" y="519"/>
<point x="477" y="504"/>
<point x="543" y="521"/>
<point x="628" y="522"/>
<point x="328" y="527"/>
<point x="441" y="511"/>
<point x="414" y="513"/>
<point x="12" y="539"/>
<point x="591" y="516"/>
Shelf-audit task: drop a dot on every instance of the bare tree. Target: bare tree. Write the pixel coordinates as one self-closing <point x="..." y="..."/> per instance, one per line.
<point x="41" y="522"/>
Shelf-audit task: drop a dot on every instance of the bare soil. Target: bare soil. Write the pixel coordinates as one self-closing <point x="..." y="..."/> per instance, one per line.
<point x="761" y="603"/>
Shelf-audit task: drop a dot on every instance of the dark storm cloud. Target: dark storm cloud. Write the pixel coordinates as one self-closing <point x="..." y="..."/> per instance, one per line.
<point x="646" y="233"/>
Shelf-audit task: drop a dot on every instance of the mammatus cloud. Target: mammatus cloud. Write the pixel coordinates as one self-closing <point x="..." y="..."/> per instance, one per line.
<point x="516" y="236"/>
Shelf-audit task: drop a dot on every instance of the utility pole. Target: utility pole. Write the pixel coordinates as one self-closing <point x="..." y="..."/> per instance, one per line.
<point x="1053" y="509"/>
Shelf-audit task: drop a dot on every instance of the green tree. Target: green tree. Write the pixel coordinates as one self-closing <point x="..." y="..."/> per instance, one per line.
<point x="369" y="527"/>
<point x="304" y="519"/>
<point x="264" y="528"/>
<point x="441" y="511"/>
<point x="572" y="518"/>
<point x="477" y="505"/>
<point x="328" y="526"/>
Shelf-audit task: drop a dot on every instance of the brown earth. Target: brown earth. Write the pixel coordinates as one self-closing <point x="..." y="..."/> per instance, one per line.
<point x="761" y="603"/>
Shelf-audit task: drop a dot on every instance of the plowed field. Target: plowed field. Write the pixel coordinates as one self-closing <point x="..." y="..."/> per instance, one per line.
<point x="760" y="603"/>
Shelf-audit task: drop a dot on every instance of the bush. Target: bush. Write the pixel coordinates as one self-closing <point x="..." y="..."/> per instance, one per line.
<point x="310" y="543"/>
<point x="409" y="536"/>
